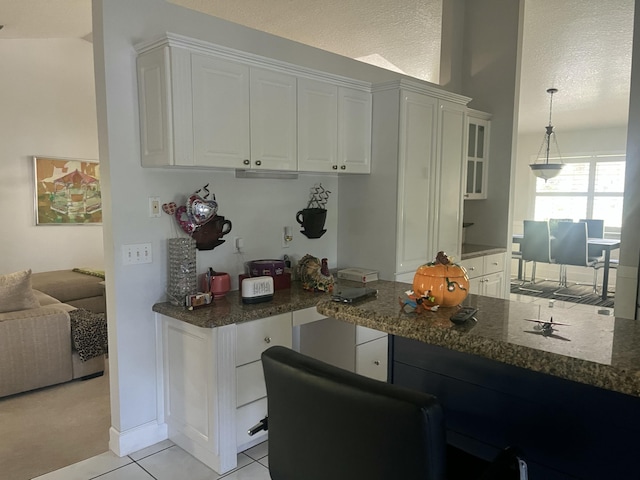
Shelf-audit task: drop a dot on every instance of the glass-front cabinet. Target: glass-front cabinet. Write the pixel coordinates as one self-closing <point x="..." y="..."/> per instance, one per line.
<point x="477" y="168"/>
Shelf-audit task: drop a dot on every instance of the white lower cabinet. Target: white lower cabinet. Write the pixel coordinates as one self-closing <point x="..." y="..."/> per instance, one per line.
<point x="213" y="385"/>
<point x="486" y="275"/>
<point x="212" y="382"/>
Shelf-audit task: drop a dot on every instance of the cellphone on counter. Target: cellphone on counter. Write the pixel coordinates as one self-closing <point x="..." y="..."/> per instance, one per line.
<point x="349" y="295"/>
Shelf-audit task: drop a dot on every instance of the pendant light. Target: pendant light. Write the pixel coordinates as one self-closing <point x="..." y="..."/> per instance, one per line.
<point x="547" y="170"/>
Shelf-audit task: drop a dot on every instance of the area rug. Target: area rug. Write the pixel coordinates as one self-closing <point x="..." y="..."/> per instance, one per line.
<point x="548" y="287"/>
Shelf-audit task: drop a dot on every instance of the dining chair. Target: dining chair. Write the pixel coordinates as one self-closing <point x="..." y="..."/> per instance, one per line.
<point x="595" y="229"/>
<point x="535" y="247"/>
<point x="553" y="224"/>
<point x="571" y="248"/>
<point x="517" y="255"/>
<point x="325" y="422"/>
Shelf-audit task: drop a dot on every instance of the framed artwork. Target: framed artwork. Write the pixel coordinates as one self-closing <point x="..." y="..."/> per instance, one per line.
<point x="67" y="191"/>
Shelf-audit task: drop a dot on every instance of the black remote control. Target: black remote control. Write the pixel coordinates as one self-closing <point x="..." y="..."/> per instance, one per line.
<point x="464" y="314"/>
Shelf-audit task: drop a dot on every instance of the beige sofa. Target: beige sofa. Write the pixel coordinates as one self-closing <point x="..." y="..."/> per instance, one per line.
<point x="35" y="342"/>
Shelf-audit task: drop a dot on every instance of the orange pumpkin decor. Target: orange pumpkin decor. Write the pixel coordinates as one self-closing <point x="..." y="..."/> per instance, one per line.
<point x="446" y="282"/>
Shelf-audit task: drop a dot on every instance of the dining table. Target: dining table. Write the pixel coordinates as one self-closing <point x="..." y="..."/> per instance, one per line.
<point x="607" y="244"/>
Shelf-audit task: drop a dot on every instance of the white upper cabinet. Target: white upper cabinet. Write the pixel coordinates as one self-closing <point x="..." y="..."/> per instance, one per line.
<point x="221" y="126"/>
<point x="334" y="128"/>
<point x="429" y="179"/>
<point x="354" y="130"/>
<point x="203" y="105"/>
<point x="450" y="178"/>
<point x="273" y="120"/>
<point x="412" y="207"/>
<point x="317" y="126"/>
<point x="477" y="154"/>
<point x="166" y="120"/>
<point x="417" y="153"/>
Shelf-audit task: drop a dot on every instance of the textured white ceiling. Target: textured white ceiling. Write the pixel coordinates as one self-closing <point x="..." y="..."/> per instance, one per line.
<point x="581" y="47"/>
<point x="404" y="33"/>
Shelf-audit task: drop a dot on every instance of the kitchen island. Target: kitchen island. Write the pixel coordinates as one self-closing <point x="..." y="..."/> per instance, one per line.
<point x="570" y="401"/>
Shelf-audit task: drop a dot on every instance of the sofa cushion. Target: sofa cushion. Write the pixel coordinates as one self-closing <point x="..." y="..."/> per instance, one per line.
<point x="16" y="292"/>
<point x="67" y="285"/>
<point x="44" y="299"/>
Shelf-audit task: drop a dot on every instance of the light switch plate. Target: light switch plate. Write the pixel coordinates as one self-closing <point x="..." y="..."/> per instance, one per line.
<point x="136" y="254"/>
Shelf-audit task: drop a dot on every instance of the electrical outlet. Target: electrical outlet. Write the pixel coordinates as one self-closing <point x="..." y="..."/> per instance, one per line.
<point x="154" y="207"/>
<point x="238" y="244"/>
<point x="136" y="254"/>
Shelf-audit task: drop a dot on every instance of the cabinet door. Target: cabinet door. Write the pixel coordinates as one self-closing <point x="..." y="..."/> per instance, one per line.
<point x="477" y="158"/>
<point x="449" y="168"/>
<point x="164" y="100"/>
<point x="476" y="285"/>
<point x="317" y="126"/>
<point x="220" y="112"/>
<point x="493" y="285"/>
<point x="354" y="131"/>
<point x="273" y="120"/>
<point x="417" y="150"/>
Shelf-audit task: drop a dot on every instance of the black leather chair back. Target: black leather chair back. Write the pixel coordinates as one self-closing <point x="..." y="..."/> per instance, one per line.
<point x="326" y="423"/>
<point x="536" y="244"/>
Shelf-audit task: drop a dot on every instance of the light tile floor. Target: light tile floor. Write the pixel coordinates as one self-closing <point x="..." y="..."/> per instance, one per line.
<point x="162" y="461"/>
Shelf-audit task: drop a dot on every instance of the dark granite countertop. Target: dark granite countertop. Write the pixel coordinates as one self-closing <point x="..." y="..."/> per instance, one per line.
<point x="602" y="351"/>
<point x="230" y="308"/>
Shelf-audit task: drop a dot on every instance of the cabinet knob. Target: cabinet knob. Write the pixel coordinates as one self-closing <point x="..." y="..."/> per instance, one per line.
<point x="472" y="268"/>
<point x="343" y="167"/>
<point x="466" y="195"/>
<point x="376" y="362"/>
<point x="335" y="167"/>
<point x="246" y="162"/>
<point x="258" y="162"/>
<point x="267" y="339"/>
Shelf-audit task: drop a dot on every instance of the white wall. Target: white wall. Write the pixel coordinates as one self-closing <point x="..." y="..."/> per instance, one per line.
<point x="628" y="272"/>
<point x="259" y="209"/>
<point x="48" y="108"/>
<point x="584" y="142"/>
<point x="490" y="73"/>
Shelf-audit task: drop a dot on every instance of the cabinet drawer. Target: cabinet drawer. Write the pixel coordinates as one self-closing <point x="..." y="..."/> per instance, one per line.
<point x="371" y="359"/>
<point x="256" y="336"/>
<point x="364" y="334"/>
<point x="247" y="417"/>
<point x="474" y="266"/>
<point x="494" y="263"/>
<point x="250" y="383"/>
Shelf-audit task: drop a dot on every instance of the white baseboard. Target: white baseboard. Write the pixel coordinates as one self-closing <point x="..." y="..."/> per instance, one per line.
<point x="124" y="443"/>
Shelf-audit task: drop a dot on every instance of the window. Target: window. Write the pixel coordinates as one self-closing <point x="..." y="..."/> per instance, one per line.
<point x="588" y="187"/>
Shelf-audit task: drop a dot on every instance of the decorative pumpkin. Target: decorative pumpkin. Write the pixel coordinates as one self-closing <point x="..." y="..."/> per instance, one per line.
<point x="446" y="282"/>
